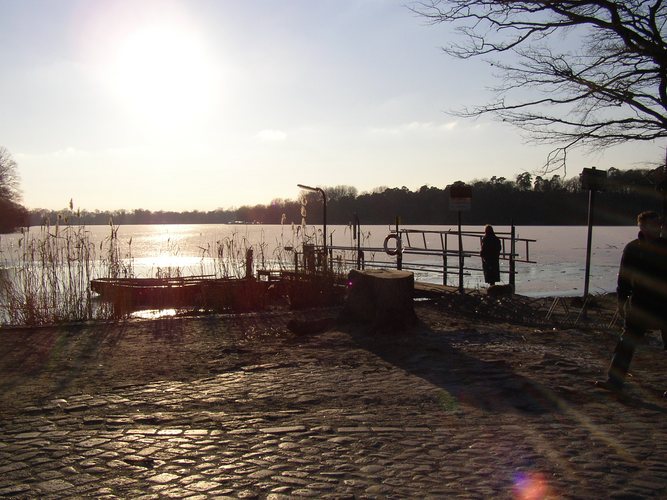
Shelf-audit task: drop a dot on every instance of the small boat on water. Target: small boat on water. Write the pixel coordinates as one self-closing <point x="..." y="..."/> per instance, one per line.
<point x="192" y="291"/>
<point x="218" y="294"/>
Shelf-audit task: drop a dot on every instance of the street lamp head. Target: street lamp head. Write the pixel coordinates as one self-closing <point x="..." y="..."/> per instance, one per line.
<point x="302" y="186"/>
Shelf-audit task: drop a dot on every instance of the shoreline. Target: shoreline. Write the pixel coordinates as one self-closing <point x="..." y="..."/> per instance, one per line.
<point x="605" y="303"/>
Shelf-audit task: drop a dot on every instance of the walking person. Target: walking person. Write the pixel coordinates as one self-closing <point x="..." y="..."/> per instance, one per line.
<point x="642" y="295"/>
<point x="490" y="253"/>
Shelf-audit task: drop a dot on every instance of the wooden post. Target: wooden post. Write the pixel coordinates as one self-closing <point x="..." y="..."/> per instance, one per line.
<point x="248" y="263"/>
<point x="399" y="247"/>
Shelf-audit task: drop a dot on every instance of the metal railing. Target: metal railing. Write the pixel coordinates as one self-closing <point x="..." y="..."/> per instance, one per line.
<point x="419" y="243"/>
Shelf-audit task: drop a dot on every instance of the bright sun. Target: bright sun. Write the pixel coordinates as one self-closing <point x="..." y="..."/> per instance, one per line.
<point x="164" y="74"/>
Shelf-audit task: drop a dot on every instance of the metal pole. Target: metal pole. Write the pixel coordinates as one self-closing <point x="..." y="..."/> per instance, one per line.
<point x="460" y="255"/>
<point x="591" y="201"/>
<point x="663" y="190"/>
<point x="444" y="260"/>
<point x="512" y="251"/>
<point x="324" y="200"/>
<point x="357" y="236"/>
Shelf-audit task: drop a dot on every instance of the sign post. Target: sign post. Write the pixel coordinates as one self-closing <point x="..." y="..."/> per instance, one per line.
<point x="661" y="186"/>
<point x="593" y="180"/>
<point x="460" y="199"/>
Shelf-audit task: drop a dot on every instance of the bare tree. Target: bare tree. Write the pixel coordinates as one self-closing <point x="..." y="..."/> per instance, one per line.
<point x="9" y="178"/>
<point x="571" y="73"/>
<point x="12" y="213"/>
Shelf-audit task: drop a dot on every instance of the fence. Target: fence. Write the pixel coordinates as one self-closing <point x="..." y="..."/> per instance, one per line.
<point x="427" y="250"/>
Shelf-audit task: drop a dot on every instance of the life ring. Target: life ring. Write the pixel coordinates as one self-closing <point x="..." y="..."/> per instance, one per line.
<point x="392" y="251"/>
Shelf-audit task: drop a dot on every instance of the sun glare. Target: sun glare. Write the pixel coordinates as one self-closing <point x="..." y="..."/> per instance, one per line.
<point x="163" y="74"/>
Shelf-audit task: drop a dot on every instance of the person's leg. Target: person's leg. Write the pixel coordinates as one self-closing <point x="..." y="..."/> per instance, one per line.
<point x="625" y="349"/>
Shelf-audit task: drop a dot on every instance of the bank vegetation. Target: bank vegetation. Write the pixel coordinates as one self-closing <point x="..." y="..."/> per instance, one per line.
<point x="524" y="200"/>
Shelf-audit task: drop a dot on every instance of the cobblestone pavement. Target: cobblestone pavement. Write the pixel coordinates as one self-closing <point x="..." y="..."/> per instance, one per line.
<point x="243" y="408"/>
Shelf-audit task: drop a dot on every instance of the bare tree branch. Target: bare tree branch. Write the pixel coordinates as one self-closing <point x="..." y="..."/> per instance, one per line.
<point x="605" y="84"/>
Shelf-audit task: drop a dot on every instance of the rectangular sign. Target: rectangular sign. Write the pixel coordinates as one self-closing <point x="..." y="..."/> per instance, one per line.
<point x="460" y="191"/>
<point x="460" y="204"/>
<point x="592" y="178"/>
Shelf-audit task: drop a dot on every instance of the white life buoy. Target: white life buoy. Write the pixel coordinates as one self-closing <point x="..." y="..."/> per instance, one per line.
<point x="392" y="251"/>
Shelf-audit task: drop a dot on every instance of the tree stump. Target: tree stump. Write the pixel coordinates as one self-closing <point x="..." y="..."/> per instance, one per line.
<point x="381" y="297"/>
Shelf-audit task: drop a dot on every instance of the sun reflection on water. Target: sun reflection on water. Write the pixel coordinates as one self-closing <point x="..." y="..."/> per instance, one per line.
<point x="154" y="313"/>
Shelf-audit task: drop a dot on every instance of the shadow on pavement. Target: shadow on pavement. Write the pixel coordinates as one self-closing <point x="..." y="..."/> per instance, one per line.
<point x="489" y="385"/>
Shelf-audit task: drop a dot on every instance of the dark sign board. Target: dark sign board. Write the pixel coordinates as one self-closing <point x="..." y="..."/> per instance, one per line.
<point x="460" y="191"/>
<point x="460" y="197"/>
<point x="594" y="179"/>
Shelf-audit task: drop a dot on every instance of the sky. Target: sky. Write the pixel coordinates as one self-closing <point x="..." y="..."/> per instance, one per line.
<point x="206" y="104"/>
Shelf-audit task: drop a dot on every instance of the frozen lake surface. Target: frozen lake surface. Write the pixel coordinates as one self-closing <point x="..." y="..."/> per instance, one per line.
<point x="559" y="251"/>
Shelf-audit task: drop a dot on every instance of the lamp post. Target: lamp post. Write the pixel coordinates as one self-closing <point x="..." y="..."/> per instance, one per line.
<point x="324" y="215"/>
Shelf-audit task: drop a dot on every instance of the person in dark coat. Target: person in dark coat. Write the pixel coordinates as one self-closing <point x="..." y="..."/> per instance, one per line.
<point x="490" y="254"/>
<point x="642" y="294"/>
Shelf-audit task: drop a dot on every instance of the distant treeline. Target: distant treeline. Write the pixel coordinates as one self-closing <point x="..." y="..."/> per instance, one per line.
<point x="526" y="200"/>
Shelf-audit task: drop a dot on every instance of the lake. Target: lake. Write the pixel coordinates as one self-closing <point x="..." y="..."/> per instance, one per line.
<point x="559" y="252"/>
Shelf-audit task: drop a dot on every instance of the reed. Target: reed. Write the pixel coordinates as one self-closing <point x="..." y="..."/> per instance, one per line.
<point x="46" y="274"/>
<point x="227" y="257"/>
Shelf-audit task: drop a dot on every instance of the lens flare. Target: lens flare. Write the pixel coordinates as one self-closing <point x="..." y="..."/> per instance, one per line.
<point x="530" y="486"/>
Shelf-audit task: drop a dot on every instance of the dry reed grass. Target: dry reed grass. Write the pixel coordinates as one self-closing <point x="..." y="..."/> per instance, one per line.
<point x="48" y="280"/>
<point x="47" y="273"/>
